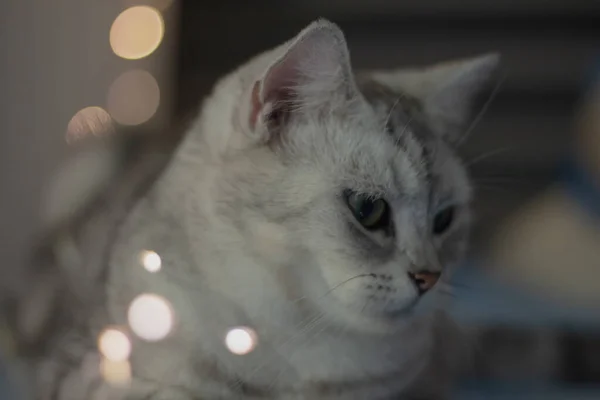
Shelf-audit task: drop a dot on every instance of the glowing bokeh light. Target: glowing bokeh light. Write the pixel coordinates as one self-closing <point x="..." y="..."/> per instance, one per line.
<point x="150" y="317"/>
<point x="133" y="97"/>
<point x="137" y="32"/>
<point x="114" y="345"/>
<point x="116" y="373"/>
<point x="90" y="121"/>
<point x="161" y="5"/>
<point x="241" y="340"/>
<point x="151" y="261"/>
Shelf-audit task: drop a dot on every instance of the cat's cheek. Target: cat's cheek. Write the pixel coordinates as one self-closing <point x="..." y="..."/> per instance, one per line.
<point x="400" y="296"/>
<point x="271" y="242"/>
<point x="453" y="247"/>
<point x="374" y="295"/>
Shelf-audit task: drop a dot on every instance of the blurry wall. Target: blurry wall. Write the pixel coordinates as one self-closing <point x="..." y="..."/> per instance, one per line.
<point x="57" y="60"/>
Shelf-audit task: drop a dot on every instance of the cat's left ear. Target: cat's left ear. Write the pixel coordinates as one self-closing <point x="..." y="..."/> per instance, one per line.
<point x="447" y="91"/>
<point x="311" y="71"/>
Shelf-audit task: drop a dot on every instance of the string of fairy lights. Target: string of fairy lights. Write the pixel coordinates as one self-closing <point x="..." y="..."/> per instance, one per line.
<point x="132" y="99"/>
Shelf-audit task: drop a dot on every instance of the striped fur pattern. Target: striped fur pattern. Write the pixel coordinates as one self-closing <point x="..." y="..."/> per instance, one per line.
<point x="251" y="225"/>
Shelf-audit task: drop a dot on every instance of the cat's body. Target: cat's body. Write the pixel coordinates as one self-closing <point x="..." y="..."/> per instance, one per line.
<point x="251" y="218"/>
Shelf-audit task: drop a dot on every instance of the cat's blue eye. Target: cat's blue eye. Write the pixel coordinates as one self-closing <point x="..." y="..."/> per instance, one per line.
<point x="443" y="220"/>
<point x="372" y="213"/>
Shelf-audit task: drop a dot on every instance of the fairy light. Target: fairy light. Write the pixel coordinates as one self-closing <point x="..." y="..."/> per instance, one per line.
<point x="137" y="32"/>
<point x="133" y="98"/>
<point x="150" y="317"/>
<point x="116" y="373"/>
<point x="241" y="340"/>
<point x="90" y="121"/>
<point x="161" y="5"/>
<point x="114" y="345"/>
<point x="151" y="261"/>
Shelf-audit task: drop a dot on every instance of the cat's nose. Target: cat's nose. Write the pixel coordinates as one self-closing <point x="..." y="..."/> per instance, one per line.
<point x="424" y="259"/>
<point x="424" y="280"/>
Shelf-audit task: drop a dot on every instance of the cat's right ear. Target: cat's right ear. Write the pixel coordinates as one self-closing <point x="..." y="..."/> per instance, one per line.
<point x="312" y="71"/>
<point x="446" y="92"/>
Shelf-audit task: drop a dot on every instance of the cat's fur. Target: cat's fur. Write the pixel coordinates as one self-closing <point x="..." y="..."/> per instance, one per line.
<point x="252" y="228"/>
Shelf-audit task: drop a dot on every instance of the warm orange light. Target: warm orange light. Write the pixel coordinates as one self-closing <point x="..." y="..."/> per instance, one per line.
<point x="137" y="32"/>
<point x="90" y="121"/>
<point x="150" y="260"/>
<point x="116" y="373"/>
<point x="114" y="345"/>
<point x="150" y="317"/>
<point x="241" y="340"/>
<point x="133" y="97"/>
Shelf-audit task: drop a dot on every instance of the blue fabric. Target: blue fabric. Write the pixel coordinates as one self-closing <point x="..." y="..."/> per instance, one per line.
<point x="481" y="299"/>
<point x="582" y="187"/>
<point x="6" y="388"/>
<point x="593" y="76"/>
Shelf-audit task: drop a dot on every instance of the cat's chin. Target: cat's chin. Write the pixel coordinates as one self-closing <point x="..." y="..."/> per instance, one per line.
<point x="397" y="317"/>
<point x="384" y="324"/>
<point x="376" y="320"/>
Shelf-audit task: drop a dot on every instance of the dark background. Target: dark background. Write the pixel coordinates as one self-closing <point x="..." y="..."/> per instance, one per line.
<point x="549" y="48"/>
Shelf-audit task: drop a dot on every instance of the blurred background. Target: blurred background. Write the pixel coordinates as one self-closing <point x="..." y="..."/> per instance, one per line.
<point x="74" y="70"/>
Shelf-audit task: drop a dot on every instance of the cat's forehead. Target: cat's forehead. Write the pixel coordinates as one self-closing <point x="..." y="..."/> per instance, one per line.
<point x="391" y="148"/>
<point x="402" y="113"/>
<point x="358" y="149"/>
<point x="403" y="132"/>
<point x="380" y="144"/>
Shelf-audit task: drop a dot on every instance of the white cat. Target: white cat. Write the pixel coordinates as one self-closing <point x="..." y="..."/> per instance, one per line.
<point x="316" y="207"/>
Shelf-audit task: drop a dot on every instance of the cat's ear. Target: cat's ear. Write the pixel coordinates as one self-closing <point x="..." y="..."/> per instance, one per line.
<point x="310" y="71"/>
<point x="447" y="92"/>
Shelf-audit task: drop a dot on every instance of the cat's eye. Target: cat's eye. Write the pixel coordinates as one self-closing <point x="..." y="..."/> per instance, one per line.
<point x="372" y="213"/>
<point x="443" y="220"/>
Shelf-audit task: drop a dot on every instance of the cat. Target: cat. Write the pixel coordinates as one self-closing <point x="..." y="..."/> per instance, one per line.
<point x="320" y="207"/>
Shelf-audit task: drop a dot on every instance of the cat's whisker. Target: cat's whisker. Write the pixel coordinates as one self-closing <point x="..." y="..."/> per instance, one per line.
<point x="502" y="179"/>
<point x="309" y="323"/>
<point x="490" y="188"/>
<point x="344" y="282"/>
<point x="330" y="289"/>
<point x="452" y="285"/>
<point x="481" y="112"/>
<point x="487" y="155"/>
<point x="406" y="125"/>
<point x="364" y="307"/>
<point x="300" y="330"/>
<point x="499" y="184"/>
<point x="391" y="112"/>
<point x="447" y="293"/>
<point x="323" y="323"/>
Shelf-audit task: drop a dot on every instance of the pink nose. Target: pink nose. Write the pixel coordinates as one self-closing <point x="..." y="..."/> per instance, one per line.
<point x="424" y="280"/>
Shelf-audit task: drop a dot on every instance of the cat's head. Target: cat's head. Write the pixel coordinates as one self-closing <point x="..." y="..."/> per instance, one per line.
<point x="348" y="183"/>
